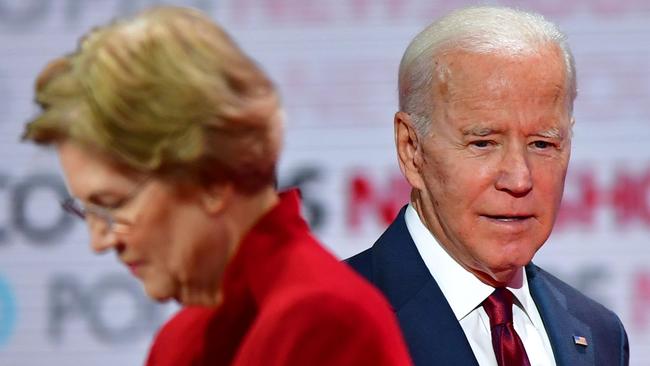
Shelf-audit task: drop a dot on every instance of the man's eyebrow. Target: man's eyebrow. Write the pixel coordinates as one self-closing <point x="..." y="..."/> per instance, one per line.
<point x="552" y="133"/>
<point x="478" y="131"/>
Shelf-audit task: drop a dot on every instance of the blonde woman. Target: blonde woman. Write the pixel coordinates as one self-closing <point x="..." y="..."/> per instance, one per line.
<point x="168" y="136"/>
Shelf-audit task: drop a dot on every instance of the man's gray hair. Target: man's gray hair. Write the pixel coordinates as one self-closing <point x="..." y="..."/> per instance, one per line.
<point x="483" y="29"/>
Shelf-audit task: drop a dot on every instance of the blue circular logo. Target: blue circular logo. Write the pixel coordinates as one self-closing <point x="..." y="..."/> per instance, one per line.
<point x="7" y="311"/>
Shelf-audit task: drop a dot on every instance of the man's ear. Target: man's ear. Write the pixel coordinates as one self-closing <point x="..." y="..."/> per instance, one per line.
<point x="216" y="197"/>
<point x="409" y="150"/>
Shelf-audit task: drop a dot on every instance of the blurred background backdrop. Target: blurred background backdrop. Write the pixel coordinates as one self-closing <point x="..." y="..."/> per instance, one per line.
<point x="335" y="62"/>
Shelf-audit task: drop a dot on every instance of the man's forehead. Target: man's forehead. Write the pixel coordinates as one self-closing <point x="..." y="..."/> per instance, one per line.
<point x="547" y="64"/>
<point x="471" y="83"/>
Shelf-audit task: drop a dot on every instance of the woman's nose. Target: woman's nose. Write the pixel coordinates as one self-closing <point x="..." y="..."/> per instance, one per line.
<point x="102" y="238"/>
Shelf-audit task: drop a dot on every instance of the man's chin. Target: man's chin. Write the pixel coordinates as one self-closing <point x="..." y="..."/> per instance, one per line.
<point x="510" y="275"/>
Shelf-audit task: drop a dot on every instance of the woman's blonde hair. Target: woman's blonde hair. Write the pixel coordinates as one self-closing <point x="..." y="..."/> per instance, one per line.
<point x="167" y="91"/>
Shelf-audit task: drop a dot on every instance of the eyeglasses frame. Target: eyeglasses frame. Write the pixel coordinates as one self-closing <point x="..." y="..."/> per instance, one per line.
<point x="82" y="210"/>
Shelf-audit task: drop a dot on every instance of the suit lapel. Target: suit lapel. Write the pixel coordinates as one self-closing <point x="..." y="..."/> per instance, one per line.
<point x="559" y="322"/>
<point x="430" y="328"/>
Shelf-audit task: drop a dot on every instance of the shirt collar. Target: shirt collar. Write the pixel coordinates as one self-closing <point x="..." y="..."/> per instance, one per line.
<point x="463" y="291"/>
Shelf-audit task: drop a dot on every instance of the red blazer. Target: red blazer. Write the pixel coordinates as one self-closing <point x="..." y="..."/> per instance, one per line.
<point x="287" y="301"/>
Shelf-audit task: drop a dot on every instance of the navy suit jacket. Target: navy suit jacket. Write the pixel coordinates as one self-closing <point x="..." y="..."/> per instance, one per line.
<point x="434" y="336"/>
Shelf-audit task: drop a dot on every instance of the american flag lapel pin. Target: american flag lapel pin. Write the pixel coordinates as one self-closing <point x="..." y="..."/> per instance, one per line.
<point x="581" y="341"/>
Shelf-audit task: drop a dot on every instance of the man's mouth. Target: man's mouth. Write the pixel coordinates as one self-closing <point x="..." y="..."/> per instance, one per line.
<point x="508" y="218"/>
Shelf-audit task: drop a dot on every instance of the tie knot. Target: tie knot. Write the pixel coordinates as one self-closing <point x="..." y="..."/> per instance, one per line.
<point x="498" y="307"/>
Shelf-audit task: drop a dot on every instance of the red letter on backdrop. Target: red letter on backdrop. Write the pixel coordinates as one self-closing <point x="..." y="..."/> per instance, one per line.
<point x="364" y="198"/>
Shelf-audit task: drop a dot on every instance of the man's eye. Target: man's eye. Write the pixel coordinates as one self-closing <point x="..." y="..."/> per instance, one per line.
<point x="542" y="144"/>
<point x="481" y="143"/>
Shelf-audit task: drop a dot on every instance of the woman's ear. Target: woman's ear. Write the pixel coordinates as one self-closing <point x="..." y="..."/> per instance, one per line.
<point x="216" y="197"/>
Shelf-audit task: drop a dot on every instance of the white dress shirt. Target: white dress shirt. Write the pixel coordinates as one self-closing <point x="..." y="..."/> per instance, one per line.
<point x="465" y="293"/>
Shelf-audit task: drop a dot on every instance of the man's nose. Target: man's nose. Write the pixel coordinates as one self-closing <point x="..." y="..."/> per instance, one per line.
<point x="514" y="172"/>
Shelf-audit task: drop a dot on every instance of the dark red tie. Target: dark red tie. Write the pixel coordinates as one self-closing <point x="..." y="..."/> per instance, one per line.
<point x="506" y="343"/>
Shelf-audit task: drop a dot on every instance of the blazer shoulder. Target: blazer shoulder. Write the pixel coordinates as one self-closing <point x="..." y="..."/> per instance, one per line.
<point x="362" y="263"/>
<point x="582" y="306"/>
<point x="605" y="326"/>
<point x="319" y="323"/>
<point x="390" y="241"/>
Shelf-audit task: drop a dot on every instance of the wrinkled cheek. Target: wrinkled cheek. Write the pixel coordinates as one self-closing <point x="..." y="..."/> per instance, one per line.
<point x="554" y="204"/>
<point x="543" y="230"/>
<point x="178" y="266"/>
<point x="191" y="266"/>
<point x="163" y="260"/>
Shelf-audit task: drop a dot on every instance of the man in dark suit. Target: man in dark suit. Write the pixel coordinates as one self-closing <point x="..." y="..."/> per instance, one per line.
<point x="483" y="136"/>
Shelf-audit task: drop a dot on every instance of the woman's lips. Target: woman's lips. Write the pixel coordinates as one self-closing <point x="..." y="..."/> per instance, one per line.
<point x="135" y="268"/>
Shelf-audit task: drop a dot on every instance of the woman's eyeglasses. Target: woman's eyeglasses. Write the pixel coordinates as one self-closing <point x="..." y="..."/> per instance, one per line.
<point x="104" y="214"/>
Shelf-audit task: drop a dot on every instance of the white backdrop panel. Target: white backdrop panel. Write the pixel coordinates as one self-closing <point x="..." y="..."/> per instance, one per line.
<point x="335" y="63"/>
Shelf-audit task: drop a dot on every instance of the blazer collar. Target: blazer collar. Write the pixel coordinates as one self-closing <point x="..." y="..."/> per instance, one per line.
<point x="559" y="321"/>
<point x="427" y="321"/>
